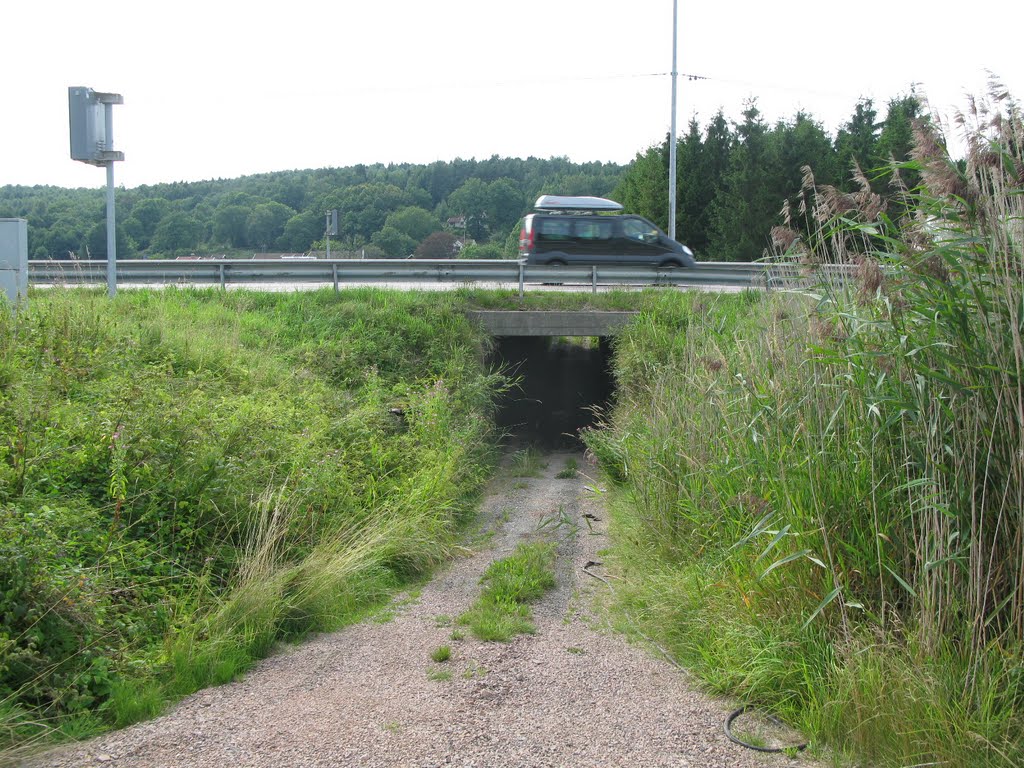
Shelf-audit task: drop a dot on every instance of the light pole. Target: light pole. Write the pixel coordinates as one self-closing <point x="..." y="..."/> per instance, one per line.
<point x="672" y="138"/>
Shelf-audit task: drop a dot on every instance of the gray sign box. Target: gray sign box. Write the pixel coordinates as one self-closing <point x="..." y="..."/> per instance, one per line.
<point x="86" y="112"/>
<point x="88" y="128"/>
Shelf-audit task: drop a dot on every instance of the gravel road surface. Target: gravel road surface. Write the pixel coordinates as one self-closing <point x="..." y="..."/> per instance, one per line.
<point x="573" y="694"/>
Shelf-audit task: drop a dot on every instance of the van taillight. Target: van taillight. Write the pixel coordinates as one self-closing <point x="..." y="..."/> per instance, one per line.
<point x="525" y="239"/>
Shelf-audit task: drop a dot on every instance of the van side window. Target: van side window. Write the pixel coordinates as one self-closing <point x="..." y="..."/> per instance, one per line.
<point x="553" y="230"/>
<point x="591" y="230"/>
<point x="635" y="229"/>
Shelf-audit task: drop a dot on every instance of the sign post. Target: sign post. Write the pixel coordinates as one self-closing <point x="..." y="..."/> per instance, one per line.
<point x="91" y="116"/>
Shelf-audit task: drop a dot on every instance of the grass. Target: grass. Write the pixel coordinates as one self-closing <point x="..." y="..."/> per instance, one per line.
<point x="570" y="471"/>
<point x="441" y="654"/>
<point x="510" y="584"/>
<point x="845" y="552"/>
<point x="190" y="477"/>
<point x="527" y="463"/>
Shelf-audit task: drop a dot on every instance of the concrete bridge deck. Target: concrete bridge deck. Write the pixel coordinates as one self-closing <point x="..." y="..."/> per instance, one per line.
<point x="559" y="323"/>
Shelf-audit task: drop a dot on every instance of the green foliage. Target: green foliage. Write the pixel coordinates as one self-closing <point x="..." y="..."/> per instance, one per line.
<point x="189" y="477"/>
<point x="845" y="549"/>
<point x="733" y="180"/>
<point x="214" y="215"/>
<point x="441" y="654"/>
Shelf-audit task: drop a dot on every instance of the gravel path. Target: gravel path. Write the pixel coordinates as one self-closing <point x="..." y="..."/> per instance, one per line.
<point x="574" y="694"/>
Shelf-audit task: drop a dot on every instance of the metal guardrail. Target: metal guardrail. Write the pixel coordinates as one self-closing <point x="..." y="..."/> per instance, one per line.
<point x="224" y="272"/>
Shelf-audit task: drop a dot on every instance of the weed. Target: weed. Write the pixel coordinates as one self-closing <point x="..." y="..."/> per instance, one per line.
<point x="441" y="654"/>
<point x="502" y="611"/>
<point x="439" y="675"/>
<point x="527" y="463"/>
<point x="570" y="471"/>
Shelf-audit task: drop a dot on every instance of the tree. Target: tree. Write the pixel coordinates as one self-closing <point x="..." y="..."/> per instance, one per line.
<point x="97" y="241"/>
<point x="229" y="225"/>
<point x="265" y="224"/>
<point x="363" y="209"/>
<point x="505" y="204"/>
<point x="644" y="186"/>
<point x="302" y="230"/>
<point x="440" y="245"/>
<point x="394" y="242"/>
<point x="703" y="164"/>
<point x="472" y="201"/>
<point x="897" y="138"/>
<point x="178" y="231"/>
<point x="748" y="204"/>
<point x="144" y="218"/>
<point x="856" y="143"/>
<point x="414" y="222"/>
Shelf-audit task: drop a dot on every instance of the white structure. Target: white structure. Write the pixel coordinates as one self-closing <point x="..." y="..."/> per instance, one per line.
<point x="14" y="259"/>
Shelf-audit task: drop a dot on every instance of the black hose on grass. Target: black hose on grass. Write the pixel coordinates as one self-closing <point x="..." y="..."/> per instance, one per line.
<point x="734" y="714"/>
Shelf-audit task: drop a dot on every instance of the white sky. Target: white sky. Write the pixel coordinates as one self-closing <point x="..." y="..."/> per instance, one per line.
<point x="219" y="89"/>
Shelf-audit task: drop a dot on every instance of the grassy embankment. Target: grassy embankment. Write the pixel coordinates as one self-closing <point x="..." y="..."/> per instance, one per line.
<point x="189" y="477"/>
<point x="819" y="501"/>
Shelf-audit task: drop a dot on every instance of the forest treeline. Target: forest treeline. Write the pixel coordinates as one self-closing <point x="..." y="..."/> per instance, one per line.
<point x="732" y="181"/>
<point x="386" y="210"/>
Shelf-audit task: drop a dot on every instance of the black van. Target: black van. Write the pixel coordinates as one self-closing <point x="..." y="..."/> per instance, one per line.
<point x="589" y="230"/>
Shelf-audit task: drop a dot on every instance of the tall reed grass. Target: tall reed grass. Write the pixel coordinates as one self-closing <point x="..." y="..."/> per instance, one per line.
<point x="822" y="496"/>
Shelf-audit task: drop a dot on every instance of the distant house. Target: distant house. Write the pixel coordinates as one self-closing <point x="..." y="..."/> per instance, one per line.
<point x="456" y="222"/>
<point x="275" y="256"/>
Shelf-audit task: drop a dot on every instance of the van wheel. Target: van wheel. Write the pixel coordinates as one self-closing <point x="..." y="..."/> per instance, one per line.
<point x="669" y="265"/>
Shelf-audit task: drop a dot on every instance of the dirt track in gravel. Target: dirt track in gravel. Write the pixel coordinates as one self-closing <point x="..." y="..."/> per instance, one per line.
<point x="573" y="694"/>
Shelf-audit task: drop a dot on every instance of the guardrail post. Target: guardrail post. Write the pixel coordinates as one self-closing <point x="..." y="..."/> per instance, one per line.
<point x="222" y="286"/>
<point x="522" y="269"/>
<point x="334" y="275"/>
<point x="593" y="279"/>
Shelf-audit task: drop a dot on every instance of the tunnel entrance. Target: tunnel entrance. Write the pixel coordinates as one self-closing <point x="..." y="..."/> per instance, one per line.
<point x="560" y="381"/>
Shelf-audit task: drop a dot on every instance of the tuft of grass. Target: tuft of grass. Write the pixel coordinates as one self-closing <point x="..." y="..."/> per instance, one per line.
<point x="571" y="470"/>
<point x="510" y="584"/>
<point x="527" y="463"/>
<point x="441" y="654"/>
<point x="439" y="675"/>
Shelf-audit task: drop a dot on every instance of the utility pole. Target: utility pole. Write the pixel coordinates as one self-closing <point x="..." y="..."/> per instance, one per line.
<point x="672" y="138"/>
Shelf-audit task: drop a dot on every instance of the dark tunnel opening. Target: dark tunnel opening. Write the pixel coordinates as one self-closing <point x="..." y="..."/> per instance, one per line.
<point x="559" y="383"/>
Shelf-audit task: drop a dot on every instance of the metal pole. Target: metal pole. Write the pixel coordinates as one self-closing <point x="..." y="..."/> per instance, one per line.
<point x="672" y="140"/>
<point x="108" y="116"/>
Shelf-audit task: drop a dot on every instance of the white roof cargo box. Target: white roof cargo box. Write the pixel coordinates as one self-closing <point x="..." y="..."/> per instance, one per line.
<point x="576" y="204"/>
